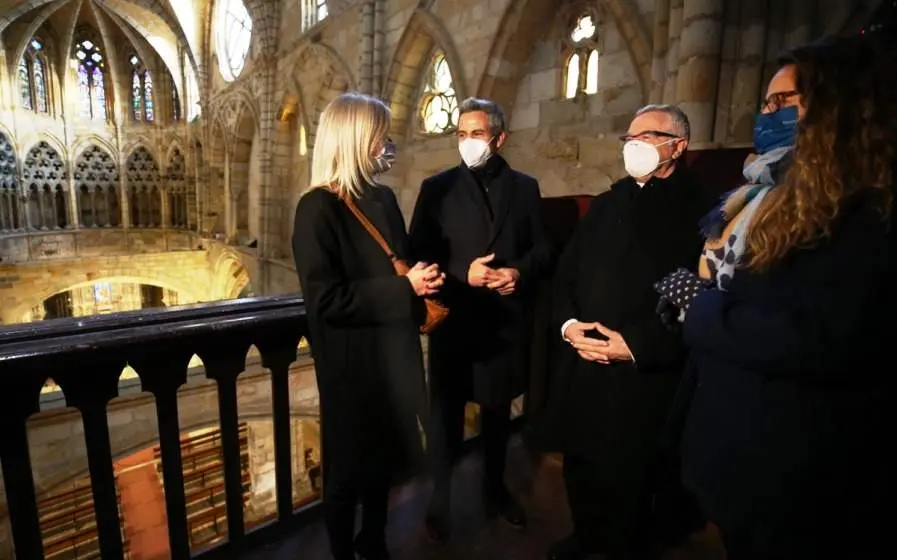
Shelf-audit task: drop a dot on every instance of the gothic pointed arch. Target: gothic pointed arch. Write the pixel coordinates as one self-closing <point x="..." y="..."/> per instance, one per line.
<point x="10" y="211"/>
<point x="523" y="24"/>
<point x="320" y="75"/>
<point x="144" y="192"/>
<point x="424" y="46"/>
<point x="96" y="183"/>
<point x="45" y="188"/>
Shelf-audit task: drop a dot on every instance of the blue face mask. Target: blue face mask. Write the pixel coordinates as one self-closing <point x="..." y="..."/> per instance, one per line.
<point x="775" y="130"/>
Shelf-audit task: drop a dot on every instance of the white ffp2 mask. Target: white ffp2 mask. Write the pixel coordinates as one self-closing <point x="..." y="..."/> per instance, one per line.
<point x="474" y="152"/>
<point x="641" y="158"/>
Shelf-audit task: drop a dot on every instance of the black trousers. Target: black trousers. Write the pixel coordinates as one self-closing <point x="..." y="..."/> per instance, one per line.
<point x="627" y="517"/>
<point x="445" y="435"/>
<point x="342" y="494"/>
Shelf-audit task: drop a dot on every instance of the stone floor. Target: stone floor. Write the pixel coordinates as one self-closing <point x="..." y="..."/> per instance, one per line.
<point x="540" y="489"/>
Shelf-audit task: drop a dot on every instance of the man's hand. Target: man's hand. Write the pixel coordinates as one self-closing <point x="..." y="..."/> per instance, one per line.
<point x="425" y="279"/>
<point x="507" y="283"/>
<point x="479" y="275"/>
<point x="614" y="349"/>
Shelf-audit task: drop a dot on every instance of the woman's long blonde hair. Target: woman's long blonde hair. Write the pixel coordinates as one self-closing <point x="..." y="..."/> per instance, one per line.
<point x="846" y="143"/>
<point x="351" y="127"/>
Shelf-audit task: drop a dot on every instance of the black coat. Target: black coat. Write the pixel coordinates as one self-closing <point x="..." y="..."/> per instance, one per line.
<point x="364" y="334"/>
<point x="792" y="417"/>
<point x="630" y="238"/>
<point x="481" y="352"/>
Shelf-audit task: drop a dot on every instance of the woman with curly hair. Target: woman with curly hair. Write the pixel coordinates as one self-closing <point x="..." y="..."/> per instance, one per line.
<point x="786" y="438"/>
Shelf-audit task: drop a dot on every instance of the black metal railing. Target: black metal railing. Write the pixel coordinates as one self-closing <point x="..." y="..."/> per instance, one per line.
<point x="85" y="357"/>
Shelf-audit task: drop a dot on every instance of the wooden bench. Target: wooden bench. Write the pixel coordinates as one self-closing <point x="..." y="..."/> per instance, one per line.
<point x="191" y="443"/>
<point x="211" y="472"/>
<point x="83" y="545"/>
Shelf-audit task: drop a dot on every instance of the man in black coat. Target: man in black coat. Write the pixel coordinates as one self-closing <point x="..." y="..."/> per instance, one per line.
<point x="480" y="223"/>
<point x="620" y="367"/>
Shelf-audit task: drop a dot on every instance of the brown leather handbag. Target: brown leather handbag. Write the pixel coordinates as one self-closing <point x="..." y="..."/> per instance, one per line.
<point x="436" y="312"/>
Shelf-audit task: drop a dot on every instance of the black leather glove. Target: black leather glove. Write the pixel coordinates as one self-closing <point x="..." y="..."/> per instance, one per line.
<point x="669" y="314"/>
<point x="681" y="287"/>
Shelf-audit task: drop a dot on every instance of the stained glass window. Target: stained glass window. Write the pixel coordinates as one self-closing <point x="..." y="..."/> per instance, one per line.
<point x="136" y="96"/>
<point x="148" y="96"/>
<point x="439" y="103"/>
<point x="25" y="83"/>
<point x="313" y="12"/>
<point x="40" y="85"/>
<point x="572" y="85"/>
<point x="84" y="91"/>
<point x="581" y="70"/>
<point x="141" y="91"/>
<point x="32" y="74"/>
<point x="91" y="84"/>
<point x="233" y="37"/>
<point x="98" y="106"/>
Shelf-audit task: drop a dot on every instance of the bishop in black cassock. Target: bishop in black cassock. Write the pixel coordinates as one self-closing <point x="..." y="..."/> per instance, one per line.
<point x="617" y="374"/>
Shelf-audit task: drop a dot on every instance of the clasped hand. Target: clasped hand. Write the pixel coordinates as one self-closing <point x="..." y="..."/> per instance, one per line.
<point x="502" y="280"/>
<point x="614" y="349"/>
<point x="426" y="279"/>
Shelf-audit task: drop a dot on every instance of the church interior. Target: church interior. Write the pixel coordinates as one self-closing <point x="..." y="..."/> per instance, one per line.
<point x="152" y="153"/>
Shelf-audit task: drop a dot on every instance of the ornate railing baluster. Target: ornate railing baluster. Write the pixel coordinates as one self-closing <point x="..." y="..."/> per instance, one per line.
<point x="19" y="394"/>
<point x="224" y="362"/>
<point x="86" y="357"/>
<point x="92" y="400"/>
<point x="162" y="375"/>
<point x="278" y="349"/>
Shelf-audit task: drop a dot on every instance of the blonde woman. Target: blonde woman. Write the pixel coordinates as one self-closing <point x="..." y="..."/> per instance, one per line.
<point x="363" y="320"/>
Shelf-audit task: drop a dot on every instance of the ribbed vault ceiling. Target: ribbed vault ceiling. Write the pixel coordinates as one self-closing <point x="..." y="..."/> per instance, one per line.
<point x="151" y="27"/>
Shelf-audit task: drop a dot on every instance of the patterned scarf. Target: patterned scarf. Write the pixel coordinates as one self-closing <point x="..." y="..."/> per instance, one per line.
<point x="762" y="175"/>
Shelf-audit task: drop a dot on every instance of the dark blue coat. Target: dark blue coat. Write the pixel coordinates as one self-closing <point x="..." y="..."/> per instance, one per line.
<point x="792" y="413"/>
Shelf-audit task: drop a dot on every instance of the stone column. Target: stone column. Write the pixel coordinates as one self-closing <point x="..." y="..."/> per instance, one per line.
<point x="166" y="207"/>
<point x="674" y="26"/>
<point x="125" y="201"/>
<point x="366" y="56"/>
<point x="801" y="14"/>
<point x="230" y="214"/>
<point x="700" y="44"/>
<point x="747" y="84"/>
<point x="729" y="56"/>
<point x="661" y="45"/>
<point x="379" y="43"/>
<point x="72" y="192"/>
<point x="776" y="23"/>
<point x="270" y="197"/>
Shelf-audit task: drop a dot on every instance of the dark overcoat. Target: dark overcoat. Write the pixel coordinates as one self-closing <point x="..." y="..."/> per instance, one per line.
<point x="787" y="438"/>
<point x="363" y="320"/>
<point x="630" y="238"/>
<point x="481" y="351"/>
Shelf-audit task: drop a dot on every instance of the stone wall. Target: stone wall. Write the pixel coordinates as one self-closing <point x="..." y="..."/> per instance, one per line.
<point x="24" y="286"/>
<point x="43" y="246"/>
<point x="710" y="57"/>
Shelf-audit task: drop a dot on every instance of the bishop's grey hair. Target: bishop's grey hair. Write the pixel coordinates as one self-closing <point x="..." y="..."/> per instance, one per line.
<point x="679" y="119"/>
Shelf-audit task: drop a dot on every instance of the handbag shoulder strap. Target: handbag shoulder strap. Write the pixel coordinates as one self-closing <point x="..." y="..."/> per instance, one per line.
<point x="371" y="229"/>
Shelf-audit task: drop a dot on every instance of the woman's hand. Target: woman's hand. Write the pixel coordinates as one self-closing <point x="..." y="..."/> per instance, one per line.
<point x="425" y="279"/>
